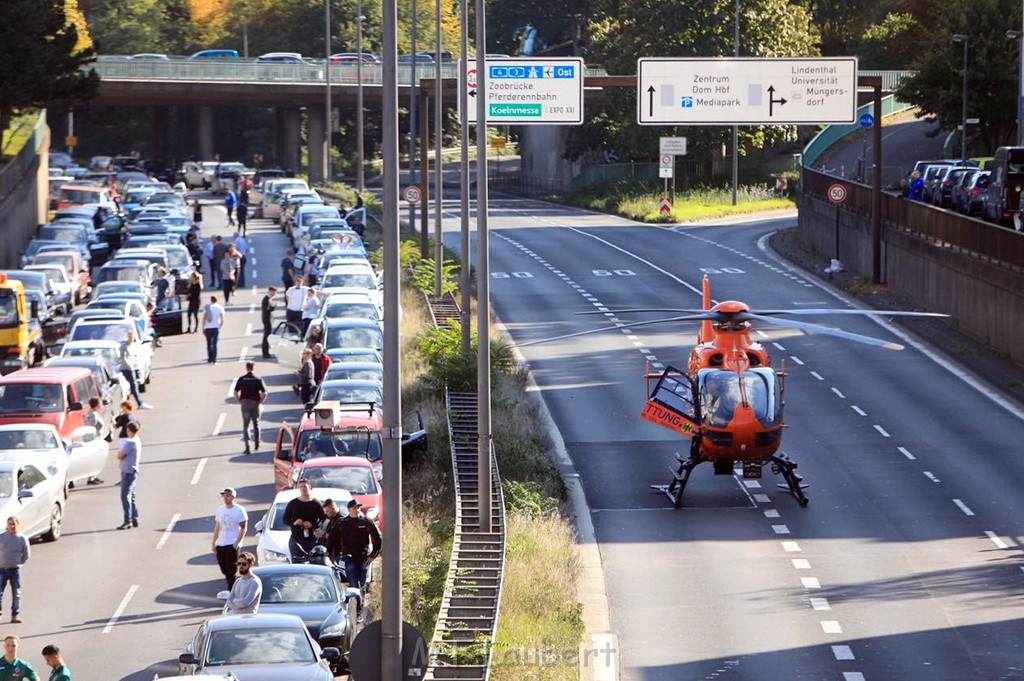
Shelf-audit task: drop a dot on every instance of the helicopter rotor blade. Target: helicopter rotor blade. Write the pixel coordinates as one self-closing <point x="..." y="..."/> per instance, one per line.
<point x="818" y="328"/>
<point x="645" y="309"/>
<point x="589" y="332"/>
<point x="881" y="313"/>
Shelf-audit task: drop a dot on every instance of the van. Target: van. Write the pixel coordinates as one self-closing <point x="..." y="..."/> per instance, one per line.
<point x="1002" y="197"/>
<point x="79" y="194"/>
<point x="55" y="395"/>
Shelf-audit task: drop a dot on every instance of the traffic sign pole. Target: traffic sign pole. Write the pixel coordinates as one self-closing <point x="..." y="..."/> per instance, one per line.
<point x="483" y="281"/>
<point x="527" y="91"/>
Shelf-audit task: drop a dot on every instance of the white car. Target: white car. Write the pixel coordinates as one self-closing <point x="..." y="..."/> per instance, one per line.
<point x="270" y="193"/>
<point x="35" y="496"/>
<point x="199" y="174"/>
<point x="140" y="351"/>
<point x="272" y="546"/>
<point x="60" y="282"/>
<point x="359" y="275"/>
<point x="41" y="445"/>
<point x="350" y="303"/>
<point x="108" y="350"/>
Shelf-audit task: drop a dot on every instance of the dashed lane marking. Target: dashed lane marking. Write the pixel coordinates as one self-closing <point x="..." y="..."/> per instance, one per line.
<point x="796" y="359"/>
<point x="859" y="411"/>
<point x="170" y="528"/>
<point x="963" y="507"/>
<point x="242" y="353"/>
<point x="220" y="424"/>
<point x="780" y="529"/>
<point x="839" y="393"/>
<point x="248" y="329"/>
<point x="817" y="375"/>
<point x="199" y="471"/>
<point x="790" y="547"/>
<point x="882" y="431"/>
<point x="904" y="452"/>
<point x="831" y="627"/>
<point x="810" y="582"/>
<point x="771" y="513"/>
<point x="843" y="653"/>
<point x="931" y="476"/>
<point x="120" y="609"/>
<point x="801" y="564"/>
<point x="1000" y="544"/>
<point x="820" y="604"/>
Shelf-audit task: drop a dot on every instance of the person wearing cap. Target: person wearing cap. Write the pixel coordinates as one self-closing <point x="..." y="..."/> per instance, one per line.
<point x="303" y="514"/>
<point x="356" y="533"/>
<point x="229" y="526"/>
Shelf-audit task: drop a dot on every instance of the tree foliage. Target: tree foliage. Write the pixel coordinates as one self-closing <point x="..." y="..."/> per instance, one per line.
<point x="42" y="57"/>
<point x="134" y="26"/>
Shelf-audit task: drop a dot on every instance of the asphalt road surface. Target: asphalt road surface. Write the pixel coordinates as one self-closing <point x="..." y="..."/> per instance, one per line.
<point x="904" y="142"/>
<point x="905" y="565"/>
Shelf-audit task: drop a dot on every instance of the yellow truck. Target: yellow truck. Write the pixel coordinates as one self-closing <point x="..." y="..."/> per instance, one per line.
<point x="21" y="334"/>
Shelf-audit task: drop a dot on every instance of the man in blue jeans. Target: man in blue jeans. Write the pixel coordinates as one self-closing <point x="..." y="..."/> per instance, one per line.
<point x="14" y="553"/>
<point x="356" y="534"/>
<point x="128" y="462"/>
<point x="213" y="320"/>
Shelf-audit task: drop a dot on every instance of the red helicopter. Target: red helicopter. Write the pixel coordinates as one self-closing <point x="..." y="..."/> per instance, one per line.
<point x="729" y="400"/>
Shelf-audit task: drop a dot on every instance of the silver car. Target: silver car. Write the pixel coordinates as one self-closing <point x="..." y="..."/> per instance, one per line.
<point x="268" y="647"/>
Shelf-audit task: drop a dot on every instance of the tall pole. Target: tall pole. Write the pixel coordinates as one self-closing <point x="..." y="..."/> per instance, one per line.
<point x="483" y="281"/>
<point x="327" y="98"/>
<point x="245" y="38"/>
<point x="71" y="126"/>
<point x="735" y="128"/>
<point x="1020" y="78"/>
<point x="360" y="151"/>
<point x="391" y="591"/>
<point x="963" y="113"/>
<point x="438" y="176"/>
<point x="413" y="96"/>
<point x="464" y="280"/>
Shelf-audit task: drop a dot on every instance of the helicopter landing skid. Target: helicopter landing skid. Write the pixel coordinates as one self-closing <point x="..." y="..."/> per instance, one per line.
<point x="787" y="468"/>
<point x="680" y="476"/>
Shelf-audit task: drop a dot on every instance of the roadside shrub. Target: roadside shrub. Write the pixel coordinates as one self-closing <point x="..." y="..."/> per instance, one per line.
<point x="441" y="350"/>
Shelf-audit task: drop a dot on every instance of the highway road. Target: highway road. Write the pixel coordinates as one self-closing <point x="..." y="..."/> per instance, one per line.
<point x="907" y="562"/>
<point x="122" y="604"/>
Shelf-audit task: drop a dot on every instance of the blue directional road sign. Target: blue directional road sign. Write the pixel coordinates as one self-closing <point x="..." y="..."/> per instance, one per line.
<point x="529" y="92"/>
<point x="866" y="120"/>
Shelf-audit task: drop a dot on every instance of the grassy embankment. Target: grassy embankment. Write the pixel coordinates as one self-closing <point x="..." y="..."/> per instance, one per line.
<point x="540" y="610"/>
<point x="14" y="138"/>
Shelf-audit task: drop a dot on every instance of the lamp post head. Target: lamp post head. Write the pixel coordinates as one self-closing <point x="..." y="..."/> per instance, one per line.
<point x="958" y="38"/>
<point x="1013" y="35"/>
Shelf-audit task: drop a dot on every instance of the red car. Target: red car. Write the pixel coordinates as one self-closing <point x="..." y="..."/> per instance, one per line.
<point x="353" y="473"/>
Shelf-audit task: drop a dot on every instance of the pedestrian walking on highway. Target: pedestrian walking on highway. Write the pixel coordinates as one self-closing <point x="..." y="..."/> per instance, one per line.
<point x="303" y="514"/>
<point x="244" y="598"/>
<point x="242" y="213"/>
<point x="288" y="269"/>
<point x="360" y="545"/>
<point x="242" y="248"/>
<point x="230" y="201"/>
<point x="55" y="661"/>
<point x="295" y="301"/>
<point x="228" y="273"/>
<point x="213" y="320"/>
<point x="128" y="462"/>
<point x="128" y="371"/>
<point x="250" y="391"/>
<point x="267" y="308"/>
<point x="306" y="383"/>
<point x="14" y="553"/>
<point x="194" y="297"/>
<point x="58" y="671"/>
<point x="12" y="666"/>
<point x="219" y="248"/>
<point x="229" y="524"/>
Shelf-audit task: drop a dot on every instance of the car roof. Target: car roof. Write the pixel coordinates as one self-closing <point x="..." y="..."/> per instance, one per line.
<point x="319" y="493"/>
<point x="88" y="321"/>
<point x="356" y="366"/>
<point x="28" y="426"/>
<point x="356" y="419"/>
<point x="353" y="383"/>
<point x="45" y="375"/>
<point x="93" y="344"/>
<point x="294" y="568"/>
<point x="259" y="621"/>
<point x="352" y="322"/>
<point x="337" y="462"/>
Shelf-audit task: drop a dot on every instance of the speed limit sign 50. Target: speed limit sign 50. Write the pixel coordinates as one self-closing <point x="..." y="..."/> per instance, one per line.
<point x="837" y="193"/>
<point x="412" y="194"/>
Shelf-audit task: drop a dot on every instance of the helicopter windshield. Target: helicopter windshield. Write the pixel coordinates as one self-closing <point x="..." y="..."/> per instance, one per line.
<point x="720" y="393"/>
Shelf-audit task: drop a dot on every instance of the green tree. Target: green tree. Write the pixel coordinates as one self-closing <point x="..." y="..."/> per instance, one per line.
<point x="42" y="61"/>
<point x="992" y="70"/>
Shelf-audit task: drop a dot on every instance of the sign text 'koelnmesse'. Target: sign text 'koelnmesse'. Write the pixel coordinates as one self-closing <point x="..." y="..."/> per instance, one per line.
<point x="529" y="91"/>
<point x="746" y="91"/>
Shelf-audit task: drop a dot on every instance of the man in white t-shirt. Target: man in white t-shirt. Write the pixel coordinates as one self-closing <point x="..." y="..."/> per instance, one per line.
<point x="295" y="302"/>
<point x="229" y="526"/>
<point x="310" y="310"/>
<point x="213" y="319"/>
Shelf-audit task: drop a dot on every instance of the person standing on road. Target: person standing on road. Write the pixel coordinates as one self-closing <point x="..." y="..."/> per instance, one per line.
<point x="244" y="598"/>
<point x="310" y="309"/>
<point x="288" y="269"/>
<point x="128" y="462"/>
<point x="54" y="660"/>
<point x="213" y="320"/>
<point x="229" y="524"/>
<point x="208" y="254"/>
<point x="195" y="296"/>
<point x="242" y="212"/>
<point x="95" y="419"/>
<point x="12" y="666"/>
<point x="230" y="201"/>
<point x="356" y="534"/>
<point x="128" y="371"/>
<point x="916" y="189"/>
<point x="126" y="415"/>
<point x="267" y="308"/>
<point x="250" y="391"/>
<point x="228" y="273"/>
<point x="242" y="248"/>
<point x="320" y="363"/>
<point x="327" y="534"/>
<point x="220" y="247"/>
<point x="306" y="383"/>
<point x="303" y="514"/>
<point x="14" y="552"/>
<point x="295" y="301"/>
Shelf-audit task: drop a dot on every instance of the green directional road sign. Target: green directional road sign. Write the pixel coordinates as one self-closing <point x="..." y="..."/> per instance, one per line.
<point x="526" y="91"/>
<point x="515" y="110"/>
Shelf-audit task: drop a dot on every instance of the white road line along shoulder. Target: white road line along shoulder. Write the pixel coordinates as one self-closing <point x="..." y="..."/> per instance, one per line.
<point x="199" y="471"/>
<point x="170" y="528"/>
<point x="120" y="609"/>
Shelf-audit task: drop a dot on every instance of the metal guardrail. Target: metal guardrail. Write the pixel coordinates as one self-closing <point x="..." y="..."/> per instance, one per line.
<point x="890" y="79"/>
<point x="463" y="638"/>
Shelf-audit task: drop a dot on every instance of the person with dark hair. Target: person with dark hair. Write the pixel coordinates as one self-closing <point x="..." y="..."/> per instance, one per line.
<point x="267" y="308"/>
<point x="55" y="661"/>
<point x="213" y="320"/>
<point x="194" y="297"/>
<point x="250" y="391"/>
<point x="229" y="524"/>
<point x="14" y="552"/>
<point x="303" y="514"/>
<point x="12" y="666"/>
<point x="244" y="598"/>
<point x="128" y="462"/>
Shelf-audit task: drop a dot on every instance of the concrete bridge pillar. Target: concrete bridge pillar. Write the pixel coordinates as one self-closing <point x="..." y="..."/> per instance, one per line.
<point x="161" y="133"/>
<point x="316" y="143"/>
<point x="287" y="133"/>
<point x="204" y="114"/>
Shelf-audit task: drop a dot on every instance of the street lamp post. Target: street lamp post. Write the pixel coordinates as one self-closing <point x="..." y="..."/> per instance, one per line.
<point x="961" y="38"/>
<point x="1019" y="35"/>
<point x="360" y="178"/>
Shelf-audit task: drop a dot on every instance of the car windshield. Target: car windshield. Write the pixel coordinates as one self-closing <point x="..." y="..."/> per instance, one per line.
<point x="117" y="287"/>
<point x="78" y="195"/>
<point x="65" y="261"/>
<point x="115" y="332"/>
<point x="351" y="309"/>
<point x="111" y="354"/>
<point x="178" y="259"/>
<point x="355" y="357"/>
<point x="298" y="588"/>
<point x="356" y="479"/>
<point x="52" y="275"/>
<point x="8" y="309"/>
<point x="349" y="279"/>
<point x="259" y="646"/>
<point x="120" y="273"/>
<point x="339" y="371"/>
<point x="67" y="234"/>
<point x="30" y="398"/>
<point x="314" y="444"/>
<point x="353" y="337"/>
<point x="348" y="394"/>
<point x="28" y="439"/>
<point x="308" y="217"/>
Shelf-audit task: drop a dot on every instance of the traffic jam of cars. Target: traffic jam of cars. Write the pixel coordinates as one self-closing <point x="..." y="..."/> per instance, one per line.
<point x="84" y="317"/>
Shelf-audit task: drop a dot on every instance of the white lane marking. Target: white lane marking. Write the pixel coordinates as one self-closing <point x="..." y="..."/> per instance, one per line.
<point x="780" y="529"/>
<point x="220" y="424"/>
<point x="843" y="653"/>
<point x="801" y="564"/>
<point x="853" y="676"/>
<point x="771" y="513"/>
<point x="931" y="476"/>
<point x="252" y="308"/>
<point x="904" y="452"/>
<point x="831" y="627"/>
<point x="762" y="333"/>
<point x="790" y="547"/>
<point x="248" y="329"/>
<point x="199" y="471"/>
<point x="820" y="604"/>
<point x="817" y="375"/>
<point x="859" y="410"/>
<point x="242" y="353"/>
<point x="882" y="431"/>
<point x="779" y="346"/>
<point x="1000" y="544"/>
<point x="752" y="484"/>
<point x="796" y="359"/>
<point x="838" y="393"/>
<point x="963" y="507"/>
<point x="762" y="498"/>
<point x="254" y="274"/>
<point x="170" y="528"/>
<point x="810" y="582"/>
<point x="120" y="609"/>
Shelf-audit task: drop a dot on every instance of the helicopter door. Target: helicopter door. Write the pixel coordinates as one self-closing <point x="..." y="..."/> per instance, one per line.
<point x="673" y="403"/>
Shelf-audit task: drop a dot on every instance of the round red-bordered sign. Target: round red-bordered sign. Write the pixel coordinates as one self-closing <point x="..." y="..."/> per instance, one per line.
<point x="412" y="194"/>
<point x="837" y="193"/>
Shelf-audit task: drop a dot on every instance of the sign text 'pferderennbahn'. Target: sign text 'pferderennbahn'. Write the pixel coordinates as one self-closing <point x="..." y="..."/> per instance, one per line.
<point x="529" y="91"/>
<point x="746" y="91"/>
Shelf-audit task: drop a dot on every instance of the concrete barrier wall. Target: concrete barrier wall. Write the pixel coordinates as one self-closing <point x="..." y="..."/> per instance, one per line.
<point x="26" y="203"/>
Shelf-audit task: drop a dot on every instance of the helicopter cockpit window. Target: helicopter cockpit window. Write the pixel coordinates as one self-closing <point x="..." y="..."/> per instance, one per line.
<point x="676" y="394"/>
<point x="720" y="393"/>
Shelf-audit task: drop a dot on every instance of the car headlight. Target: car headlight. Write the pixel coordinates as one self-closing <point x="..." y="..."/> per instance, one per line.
<point x="335" y="629"/>
<point x="274" y="556"/>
